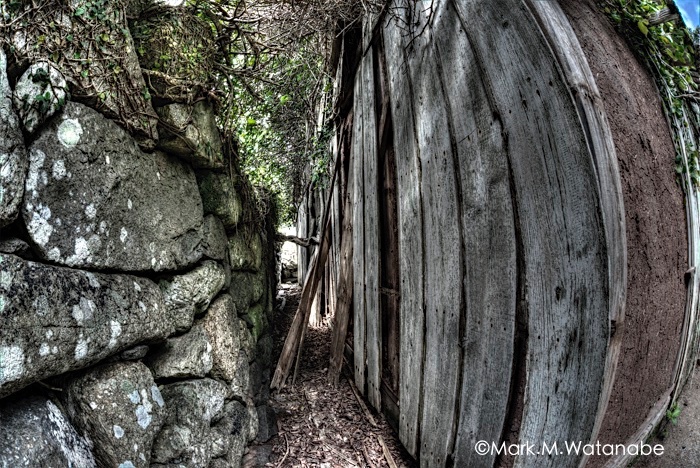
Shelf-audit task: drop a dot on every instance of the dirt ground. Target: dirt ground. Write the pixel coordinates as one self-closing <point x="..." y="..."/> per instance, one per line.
<point x="681" y="440"/>
<point x="319" y="425"/>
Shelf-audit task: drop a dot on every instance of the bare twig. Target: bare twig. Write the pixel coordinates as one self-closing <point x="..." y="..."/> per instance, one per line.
<point x="286" y="452"/>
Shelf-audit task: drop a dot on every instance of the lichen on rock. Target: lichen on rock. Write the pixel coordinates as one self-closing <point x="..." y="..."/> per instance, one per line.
<point x="60" y="319"/>
<point x="121" y="407"/>
<point x="95" y="200"/>
<point x="40" y="93"/>
<point x="35" y="432"/>
<point x="13" y="154"/>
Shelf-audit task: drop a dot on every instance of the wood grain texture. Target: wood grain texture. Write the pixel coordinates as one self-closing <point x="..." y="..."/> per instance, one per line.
<point x="561" y="226"/>
<point x="443" y="267"/>
<point x="690" y="339"/>
<point x="410" y="222"/>
<point x="302" y="232"/>
<point x="507" y="182"/>
<point x="655" y="416"/>
<point x="488" y="242"/>
<point x="579" y="77"/>
<point x="344" y="301"/>
<point x="370" y="161"/>
<point x="358" y="258"/>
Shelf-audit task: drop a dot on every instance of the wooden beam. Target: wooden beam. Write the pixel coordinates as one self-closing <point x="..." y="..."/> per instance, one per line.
<point x="295" y="337"/>
<point x="410" y="217"/>
<point x="303" y="242"/>
<point x="344" y="301"/>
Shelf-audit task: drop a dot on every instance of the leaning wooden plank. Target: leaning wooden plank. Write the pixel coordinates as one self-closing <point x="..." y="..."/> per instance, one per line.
<point x="579" y="77"/>
<point x="488" y="253"/>
<point x="303" y="232"/>
<point x="565" y="258"/>
<point x="319" y="266"/>
<point x="294" y="339"/>
<point x="342" y="315"/>
<point x="690" y="337"/>
<point x="370" y="160"/>
<point x="443" y="268"/>
<point x="344" y="295"/>
<point x="410" y="226"/>
<point x="291" y="342"/>
<point x="358" y="214"/>
<point x="306" y="301"/>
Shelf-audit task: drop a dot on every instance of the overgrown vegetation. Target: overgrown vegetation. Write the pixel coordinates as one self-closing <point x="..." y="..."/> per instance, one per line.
<point x="86" y="40"/>
<point x="274" y="85"/>
<point x="668" y="48"/>
<point x="262" y="62"/>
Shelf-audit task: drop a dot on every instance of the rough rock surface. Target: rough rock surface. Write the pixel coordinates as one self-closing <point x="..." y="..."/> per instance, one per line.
<point x="264" y="350"/>
<point x="267" y="423"/>
<point x="35" y="433"/>
<point x="122" y="410"/>
<point x="248" y="343"/>
<point x="238" y="419"/>
<point x="214" y="241"/>
<point x="245" y="249"/>
<point x="40" y="93"/>
<point x="114" y="82"/>
<point x="13" y="154"/>
<point x="219" y="197"/>
<point x="57" y="319"/>
<point x="95" y="200"/>
<point x="221" y="324"/>
<point x="252" y="420"/>
<point x="246" y="289"/>
<point x="190" y="132"/>
<point x="15" y="246"/>
<point x="256" y="320"/>
<point x="192" y="407"/>
<point x="188" y="355"/>
<point x="135" y="353"/>
<point x="240" y="384"/>
<point x="189" y="294"/>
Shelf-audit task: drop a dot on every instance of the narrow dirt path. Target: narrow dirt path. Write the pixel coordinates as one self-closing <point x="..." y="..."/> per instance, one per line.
<point x="319" y="425"/>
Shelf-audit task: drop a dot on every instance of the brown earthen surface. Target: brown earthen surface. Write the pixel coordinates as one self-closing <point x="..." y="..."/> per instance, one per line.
<point x="655" y="217"/>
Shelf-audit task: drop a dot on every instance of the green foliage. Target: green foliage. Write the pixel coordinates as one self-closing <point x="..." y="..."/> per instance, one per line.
<point x="174" y="43"/>
<point x="673" y="413"/>
<point x="274" y="118"/>
<point x="668" y="49"/>
<point x="86" y="40"/>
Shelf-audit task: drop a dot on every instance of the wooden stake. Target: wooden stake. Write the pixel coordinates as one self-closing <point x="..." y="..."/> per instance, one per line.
<point x="344" y="297"/>
<point x="295" y="337"/>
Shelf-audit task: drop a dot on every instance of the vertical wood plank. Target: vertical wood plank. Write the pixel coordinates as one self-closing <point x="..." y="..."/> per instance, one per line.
<point x="442" y="250"/>
<point x="410" y="226"/>
<point x="489" y="243"/>
<point x="358" y="259"/>
<point x="560" y="224"/>
<point x="579" y="77"/>
<point x="303" y="232"/>
<point x="371" y="224"/>
<point x="690" y="338"/>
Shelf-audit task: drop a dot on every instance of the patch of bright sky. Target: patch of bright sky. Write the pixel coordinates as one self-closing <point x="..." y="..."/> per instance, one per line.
<point x="690" y="10"/>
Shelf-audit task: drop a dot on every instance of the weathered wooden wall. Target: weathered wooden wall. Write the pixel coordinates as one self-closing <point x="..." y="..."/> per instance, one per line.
<point x="656" y="229"/>
<point x="481" y="140"/>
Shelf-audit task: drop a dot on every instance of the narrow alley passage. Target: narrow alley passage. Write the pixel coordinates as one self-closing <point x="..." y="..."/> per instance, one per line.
<point x="321" y="426"/>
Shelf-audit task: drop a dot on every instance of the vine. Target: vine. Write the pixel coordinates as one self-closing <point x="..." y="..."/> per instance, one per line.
<point x="660" y="38"/>
<point x="86" y="40"/>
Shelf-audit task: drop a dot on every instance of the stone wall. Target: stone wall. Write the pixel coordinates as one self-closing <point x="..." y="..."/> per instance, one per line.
<point x="135" y="301"/>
